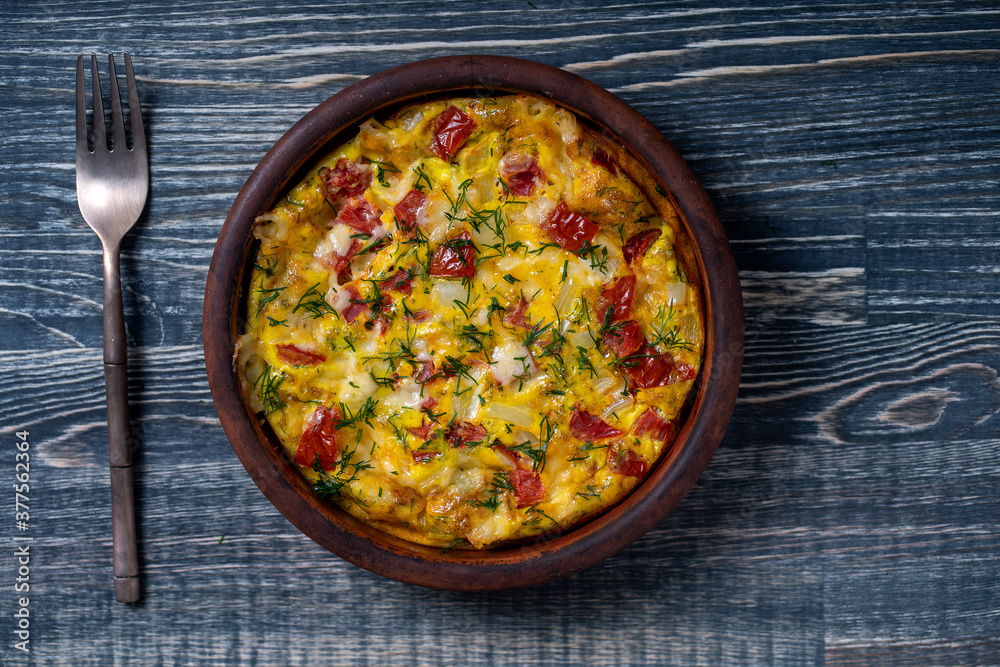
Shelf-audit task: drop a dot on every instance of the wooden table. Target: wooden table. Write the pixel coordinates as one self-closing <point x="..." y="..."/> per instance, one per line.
<point x="851" y="515"/>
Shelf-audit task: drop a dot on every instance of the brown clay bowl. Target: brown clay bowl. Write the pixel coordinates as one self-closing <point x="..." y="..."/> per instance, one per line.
<point x="546" y="558"/>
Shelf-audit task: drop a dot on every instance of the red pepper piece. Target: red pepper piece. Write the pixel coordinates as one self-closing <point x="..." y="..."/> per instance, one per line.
<point x="451" y="128"/>
<point x="651" y="424"/>
<point x="296" y="356"/>
<point x="426" y="373"/>
<point x="619" y="298"/>
<point x="637" y="245"/>
<point x="345" y="179"/>
<point x="520" y="172"/>
<point x="588" y="427"/>
<point x="320" y="439"/>
<point x="419" y="315"/>
<point x="455" y="258"/>
<point x="569" y="229"/>
<point x="648" y="368"/>
<point x="401" y="281"/>
<point x="460" y="433"/>
<point x="341" y="263"/>
<point x="623" y="338"/>
<point x="410" y="210"/>
<point x="515" y="317"/>
<point x="354" y="306"/>
<point x="528" y="487"/>
<point x="626" y="462"/>
<point x="602" y="159"/>
<point x="359" y="215"/>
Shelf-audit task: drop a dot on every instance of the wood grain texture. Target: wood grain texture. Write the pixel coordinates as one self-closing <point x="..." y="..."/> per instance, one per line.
<point x="851" y="515"/>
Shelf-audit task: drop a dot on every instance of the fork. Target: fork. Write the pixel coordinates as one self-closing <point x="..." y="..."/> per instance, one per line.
<point x="112" y="184"/>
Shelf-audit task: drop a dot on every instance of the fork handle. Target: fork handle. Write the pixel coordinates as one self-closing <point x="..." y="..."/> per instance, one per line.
<point x="126" y="558"/>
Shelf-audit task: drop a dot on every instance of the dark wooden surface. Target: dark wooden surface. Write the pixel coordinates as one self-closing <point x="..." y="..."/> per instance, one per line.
<point x="852" y="513"/>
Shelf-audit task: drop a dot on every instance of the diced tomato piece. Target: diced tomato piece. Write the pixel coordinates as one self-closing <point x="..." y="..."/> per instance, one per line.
<point x="586" y="426"/>
<point x="320" y="439"/>
<point x="618" y="298"/>
<point x="569" y="229"/>
<point x="359" y="215"/>
<point x="401" y="281"/>
<point x="623" y="338"/>
<point x="455" y="258"/>
<point x="648" y="368"/>
<point x="519" y="172"/>
<point x="451" y="128"/>
<point x="296" y="356"/>
<point x="423" y="431"/>
<point x="410" y="210"/>
<point x="461" y="433"/>
<point x="515" y="317"/>
<point x="637" y="245"/>
<point x="420" y="456"/>
<point x="345" y="179"/>
<point x="528" y="487"/>
<point x="602" y="159"/>
<point x="626" y="462"/>
<point x="651" y="424"/>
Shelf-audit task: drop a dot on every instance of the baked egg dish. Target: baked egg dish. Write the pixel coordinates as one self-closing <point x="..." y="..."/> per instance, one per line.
<point x="476" y="321"/>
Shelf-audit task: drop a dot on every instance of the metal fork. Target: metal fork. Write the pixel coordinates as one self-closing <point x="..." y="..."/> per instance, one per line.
<point x="112" y="184"/>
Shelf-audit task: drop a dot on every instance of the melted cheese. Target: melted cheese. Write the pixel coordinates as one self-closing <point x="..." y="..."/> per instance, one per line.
<point x="408" y="369"/>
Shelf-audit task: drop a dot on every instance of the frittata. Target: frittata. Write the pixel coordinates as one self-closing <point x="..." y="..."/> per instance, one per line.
<point x="476" y="321"/>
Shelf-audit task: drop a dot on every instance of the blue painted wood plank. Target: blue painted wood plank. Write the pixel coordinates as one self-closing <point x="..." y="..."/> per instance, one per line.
<point x="850" y="516"/>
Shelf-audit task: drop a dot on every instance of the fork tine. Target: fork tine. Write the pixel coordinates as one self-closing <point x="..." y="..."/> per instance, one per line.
<point x="134" y="110"/>
<point x="117" y="120"/>
<point x="81" y="108"/>
<point x="100" y="136"/>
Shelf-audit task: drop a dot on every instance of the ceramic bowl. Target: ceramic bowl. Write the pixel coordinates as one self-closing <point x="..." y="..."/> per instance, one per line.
<point x="551" y="556"/>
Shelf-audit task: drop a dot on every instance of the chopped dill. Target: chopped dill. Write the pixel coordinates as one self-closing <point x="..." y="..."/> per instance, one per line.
<point x="423" y="180"/>
<point x="269" y="296"/>
<point x="377" y="244"/>
<point x="668" y="336"/>
<point x="331" y="483"/>
<point x="537" y="519"/>
<point x="536" y="332"/>
<point x="267" y="384"/>
<point x="381" y="169"/>
<point x="537" y="454"/>
<point x="597" y="254"/>
<point x="476" y="338"/>
<point x="363" y="415"/>
<point x="583" y="361"/>
<point x="313" y="303"/>
<point x="269" y="267"/>
<point x="499" y="485"/>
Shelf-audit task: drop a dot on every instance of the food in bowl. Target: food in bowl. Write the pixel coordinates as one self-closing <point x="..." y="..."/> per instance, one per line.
<point x="476" y="321"/>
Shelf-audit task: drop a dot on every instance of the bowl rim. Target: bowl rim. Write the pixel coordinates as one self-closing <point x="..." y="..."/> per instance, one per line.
<point x="550" y="556"/>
